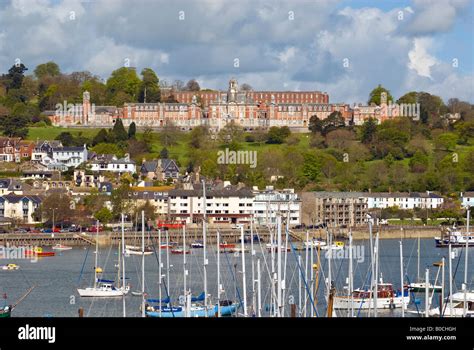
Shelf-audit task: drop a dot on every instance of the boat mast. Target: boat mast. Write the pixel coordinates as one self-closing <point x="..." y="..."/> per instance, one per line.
<point x="96" y="253"/>
<point x="441" y="307"/>
<point x="185" y="272"/>
<point x="329" y="278"/>
<point x="427" y="292"/>
<point x="306" y="268"/>
<point x="376" y="282"/>
<point x="279" y="274"/>
<point x="159" y="269"/>
<point x="350" y="286"/>
<point x="401" y="279"/>
<point x="244" y="282"/>
<point x="143" y="263"/>
<point x="311" y="276"/>
<point x="372" y="266"/>
<point x="218" y="274"/>
<point x="418" y="261"/>
<point x="123" y="267"/>
<point x="259" y="287"/>
<point x="465" y="262"/>
<point x="204" y="243"/>
<point x="450" y="279"/>
<point x="252" y="257"/>
<point x="299" y="287"/>
<point x="167" y="261"/>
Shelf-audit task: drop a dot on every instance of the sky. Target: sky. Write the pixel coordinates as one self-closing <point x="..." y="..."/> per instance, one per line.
<point x="345" y="48"/>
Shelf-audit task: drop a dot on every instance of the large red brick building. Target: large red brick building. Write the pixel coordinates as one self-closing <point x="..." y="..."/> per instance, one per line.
<point x="249" y="109"/>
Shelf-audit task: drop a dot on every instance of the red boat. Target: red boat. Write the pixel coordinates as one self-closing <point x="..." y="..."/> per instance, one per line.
<point x="180" y="251"/>
<point x="39" y="252"/>
<point x="170" y="224"/>
<point x="226" y="245"/>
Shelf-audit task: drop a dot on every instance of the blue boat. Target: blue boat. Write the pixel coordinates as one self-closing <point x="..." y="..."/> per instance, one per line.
<point x="196" y="311"/>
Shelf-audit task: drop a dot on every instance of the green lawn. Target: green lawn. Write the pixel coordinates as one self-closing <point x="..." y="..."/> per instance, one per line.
<point x="51" y="132"/>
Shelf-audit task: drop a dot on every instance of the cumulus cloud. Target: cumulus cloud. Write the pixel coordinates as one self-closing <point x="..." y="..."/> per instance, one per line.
<point x="300" y="45"/>
<point x="420" y="60"/>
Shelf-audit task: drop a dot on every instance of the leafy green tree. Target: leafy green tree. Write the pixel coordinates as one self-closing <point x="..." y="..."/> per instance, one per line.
<point x="278" y="135"/>
<point x="368" y="130"/>
<point x="446" y="141"/>
<point x="333" y="122"/>
<point x="101" y="137"/>
<point x="66" y="138"/>
<point x="47" y="69"/>
<point x="132" y="130"/>
<point x="149" y="88"/>
<point x="108" y="148"/>
<point x="119" y="131"/>
<point x="315" y="124"/>
<point x="164" y="154"/>
<point x="198" y="137"/>
<point x="15" y="76"/>
<point x="419" y="162"/>
<point x="104" y="215"/>
<point x="123" y="85"/>
<point x="231" y="133"/>
<point x="375" y="95"/>
<point x="409" y="98"/>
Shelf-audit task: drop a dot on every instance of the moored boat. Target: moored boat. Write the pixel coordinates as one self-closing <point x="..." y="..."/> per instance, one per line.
<point x="61" y="247"/>
<point x="10" y="267"/>
<point x="387" y="298"/>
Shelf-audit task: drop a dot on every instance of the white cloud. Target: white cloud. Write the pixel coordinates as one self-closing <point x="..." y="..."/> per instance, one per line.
<point x="420" y="60"/>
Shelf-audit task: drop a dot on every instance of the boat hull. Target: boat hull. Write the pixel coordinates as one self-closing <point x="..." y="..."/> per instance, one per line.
<point x="228" y="310"/>
<point x="382" y="303"/>
<point x="98" y="293"/>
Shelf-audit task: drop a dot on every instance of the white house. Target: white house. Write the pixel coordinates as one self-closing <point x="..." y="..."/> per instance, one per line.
<point x="404" y="200"/>
<point x="467" y="199"/>
<point x="108" y="162"/>
<point x="228" y="204"/>
<point x="19" y="207"/>
<point x="70" y="156"/>
<point x="269" y="202"/>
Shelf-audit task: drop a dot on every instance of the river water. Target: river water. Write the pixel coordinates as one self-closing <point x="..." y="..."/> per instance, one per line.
<point x="57" y="278"/>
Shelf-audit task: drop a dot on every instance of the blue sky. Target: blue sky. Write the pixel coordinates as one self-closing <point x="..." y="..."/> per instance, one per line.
<point x="342" y="47"/>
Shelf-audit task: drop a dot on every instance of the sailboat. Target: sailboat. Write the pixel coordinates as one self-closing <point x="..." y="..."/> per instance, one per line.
<point x="103" y="288"/>
<point x="6" y="310"/>
<point x="134" y="250"/>
<point x="420" y="286"/>
<point x="457" y="308"/>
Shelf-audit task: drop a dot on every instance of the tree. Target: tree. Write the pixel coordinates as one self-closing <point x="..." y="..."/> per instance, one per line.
<point x="368" y="130"/>
<point x="315" y="124"/>
<point x="278" y="135"/>
<point x="164" y="154"/>
<point x="409" y="98"/>
<point x="246" y="87"/>
<point x="119" y="131"/>
<point x="123" y="86"/>
<point x="66" y="138"/>
<point x="192" y="85"/>
<point x="15" y="125"/>
<point x="149" y="88"/>
<point x="198" y="137"/>
<point x="101" y="137"/>
<point x="231" y="133"/>
<point x="446" y="141"/>
<point x="375" y="95"/>
<point x="104" y="215"/>
<point x="132" y="130"/>
<point x="419" y="162"/>
<point x="15" y="76"/>
<point x="57" y="204"/>
<point x="332" y="122"/>
<point x="169" y="135"/>
<point x="47" y="69"/>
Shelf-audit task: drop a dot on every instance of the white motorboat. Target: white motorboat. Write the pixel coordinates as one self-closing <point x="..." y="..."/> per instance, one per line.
<point x="104" y="289"/>
<point x="61" y="247"/>
<point x="457" y="310"/>
<point x="387" y="298"/>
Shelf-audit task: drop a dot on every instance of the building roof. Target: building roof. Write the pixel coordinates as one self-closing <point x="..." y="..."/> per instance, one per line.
<point x="15" y="198"/>
<point x="229" y="191"/>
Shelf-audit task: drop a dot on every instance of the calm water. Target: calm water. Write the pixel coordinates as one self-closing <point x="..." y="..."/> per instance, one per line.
<point x="57" y="278"/>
